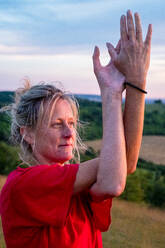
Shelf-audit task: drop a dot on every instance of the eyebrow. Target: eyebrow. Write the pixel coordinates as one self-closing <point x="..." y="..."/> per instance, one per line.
<point x="73" y="119"/>
<point x="60" y="119"/>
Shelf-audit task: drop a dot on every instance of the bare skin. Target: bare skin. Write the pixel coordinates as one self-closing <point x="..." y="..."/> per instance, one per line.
<point x="132" y="58"/>
<point x="58" y="135"/>
<point x="110" y="170"/>
<point x="133" y="55"/>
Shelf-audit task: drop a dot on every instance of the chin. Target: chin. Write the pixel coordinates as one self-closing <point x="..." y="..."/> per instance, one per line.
<point x="64" y="159"/>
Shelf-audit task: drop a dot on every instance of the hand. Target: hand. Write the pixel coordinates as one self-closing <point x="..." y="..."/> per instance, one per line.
<point x="132" y="57"/>
<point x="107" y="76"/>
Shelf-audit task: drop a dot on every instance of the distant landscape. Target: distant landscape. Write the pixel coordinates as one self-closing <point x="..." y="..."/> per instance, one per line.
<point x="152" y="148"/>
<point x="145" y="189"/>
<point x="97" y="98"/>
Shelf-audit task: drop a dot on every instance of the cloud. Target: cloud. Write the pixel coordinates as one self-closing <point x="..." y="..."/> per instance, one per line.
<point x="44" y="39"/>
<point x="10" y="50"/>
<point x="74" y="70"/>
<point x="9" y="37"/>
<point x="8" y="18"/>
<point x="70" y="12"/>
<point x="60" y="23"/>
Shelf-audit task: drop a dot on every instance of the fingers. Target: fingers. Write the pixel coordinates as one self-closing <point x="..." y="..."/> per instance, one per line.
<point x="123" y="30"/>
<point x="118" y="47"/>
<point x="111" y="51"/>
<point x="130" y="26"/>
<point x="96" y="60"/>
<point x="148" y="37"/>
<point x="128" y="30"/>
<point x="139" y="35"/>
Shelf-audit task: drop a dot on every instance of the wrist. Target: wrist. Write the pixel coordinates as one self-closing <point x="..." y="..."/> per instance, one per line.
<point x="135" y="87"/>
<point x="139" y="82"/>
<point x="111" y="94"/>
<point x="111" y="98"/>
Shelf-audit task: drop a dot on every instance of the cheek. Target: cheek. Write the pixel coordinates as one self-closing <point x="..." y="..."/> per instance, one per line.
<point x="47" y="140"/>
<point x="74" y="137"/>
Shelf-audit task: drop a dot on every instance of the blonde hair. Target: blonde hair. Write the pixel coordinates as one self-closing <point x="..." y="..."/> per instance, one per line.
<point x="28" y="111"/>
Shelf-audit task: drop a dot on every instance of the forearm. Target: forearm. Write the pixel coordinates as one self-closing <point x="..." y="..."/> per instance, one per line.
<point x="132" y="58"/>
<point x="86" y="175"/>
<point x="133" y="125"/>
<point x="111" y="176"/>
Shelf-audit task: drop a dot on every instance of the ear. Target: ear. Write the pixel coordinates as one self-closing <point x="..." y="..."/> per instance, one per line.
<point x="27" y="134"/>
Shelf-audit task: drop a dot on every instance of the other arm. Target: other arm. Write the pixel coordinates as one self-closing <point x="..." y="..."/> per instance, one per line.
<point x="132" y="60"/>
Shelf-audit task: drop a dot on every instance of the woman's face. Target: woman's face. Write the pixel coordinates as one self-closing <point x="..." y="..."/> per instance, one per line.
<point x="54" y="143"/>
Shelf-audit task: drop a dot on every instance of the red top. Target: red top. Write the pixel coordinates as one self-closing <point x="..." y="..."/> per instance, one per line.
<point x="38" y="210"/>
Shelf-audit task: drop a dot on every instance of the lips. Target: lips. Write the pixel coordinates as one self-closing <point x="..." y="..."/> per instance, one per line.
<point x="66" y="145"/>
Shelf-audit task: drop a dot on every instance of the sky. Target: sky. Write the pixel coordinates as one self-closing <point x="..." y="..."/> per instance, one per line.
<point x="53" y="41"/>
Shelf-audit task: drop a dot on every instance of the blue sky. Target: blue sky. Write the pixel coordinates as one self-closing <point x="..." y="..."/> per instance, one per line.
<point x="50" y="40"/>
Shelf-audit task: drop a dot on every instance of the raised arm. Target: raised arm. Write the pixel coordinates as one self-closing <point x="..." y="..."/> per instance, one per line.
<point x="107" y="175"/>
<point x="132" y="58"/>
<point x="111" y="174"/>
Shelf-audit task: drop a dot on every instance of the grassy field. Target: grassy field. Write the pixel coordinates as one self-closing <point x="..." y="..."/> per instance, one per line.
<point x="152" y="149"/>
<point x="133" y="226"/>
<point x="2" y="243"/>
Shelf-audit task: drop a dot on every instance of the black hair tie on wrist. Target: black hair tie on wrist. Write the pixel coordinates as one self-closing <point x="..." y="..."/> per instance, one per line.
<point x="135" y="87"/>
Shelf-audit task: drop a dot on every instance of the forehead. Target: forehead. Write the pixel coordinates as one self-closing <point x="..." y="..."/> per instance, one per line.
<point x="61" y="109"/>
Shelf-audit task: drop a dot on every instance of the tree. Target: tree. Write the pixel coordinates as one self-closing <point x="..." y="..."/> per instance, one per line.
<point x="133" y="190"/>
<point x="8" y="158"/>
<point x="158" y="193"/>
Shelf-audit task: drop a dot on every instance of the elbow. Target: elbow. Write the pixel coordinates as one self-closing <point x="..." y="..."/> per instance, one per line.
<point x="131" y="162"/>
<point x="116" y="191"/>
<point x="102" y="192"/>
<point x="131" y="168"/>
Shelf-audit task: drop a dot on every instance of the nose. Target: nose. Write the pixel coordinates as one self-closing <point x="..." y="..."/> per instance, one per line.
<point x="67" y="132"/>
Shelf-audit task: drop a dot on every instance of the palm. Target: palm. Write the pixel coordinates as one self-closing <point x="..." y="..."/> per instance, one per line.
<point x="107" y="76"/>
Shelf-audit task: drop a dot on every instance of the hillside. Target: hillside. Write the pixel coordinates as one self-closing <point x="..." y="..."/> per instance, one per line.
<point x="152" y="149"/>
<point x="135" y="226"/>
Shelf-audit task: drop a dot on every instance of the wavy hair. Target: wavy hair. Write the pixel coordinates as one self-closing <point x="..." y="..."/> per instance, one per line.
<point x="28" y="111"/>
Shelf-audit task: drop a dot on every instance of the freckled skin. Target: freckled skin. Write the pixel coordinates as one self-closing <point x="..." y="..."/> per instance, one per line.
<point x="55" y="142"/>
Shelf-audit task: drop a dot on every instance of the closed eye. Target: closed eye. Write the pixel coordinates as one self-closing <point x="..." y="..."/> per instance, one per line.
<point x="59" y="124"/>
<point x="72" y="124"/>
<point x="56" y="124"/>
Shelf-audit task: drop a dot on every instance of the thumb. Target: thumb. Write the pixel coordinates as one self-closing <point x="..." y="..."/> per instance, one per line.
<point x="96" y="60"/>
<point x="118" y="47"/>
<point x="111" y="50"/>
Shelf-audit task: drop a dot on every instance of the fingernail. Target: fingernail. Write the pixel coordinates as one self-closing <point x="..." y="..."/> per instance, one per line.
<point x="95" y="49"/>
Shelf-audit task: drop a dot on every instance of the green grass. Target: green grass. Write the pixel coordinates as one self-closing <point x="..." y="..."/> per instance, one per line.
<point x="135" y="226"/>
<point x="155" y="107"/>
<point x="2" y="243"/>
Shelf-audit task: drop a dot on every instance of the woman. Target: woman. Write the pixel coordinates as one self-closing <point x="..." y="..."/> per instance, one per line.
<point x="45" y="205"/>
<point x="53" y="203"/>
